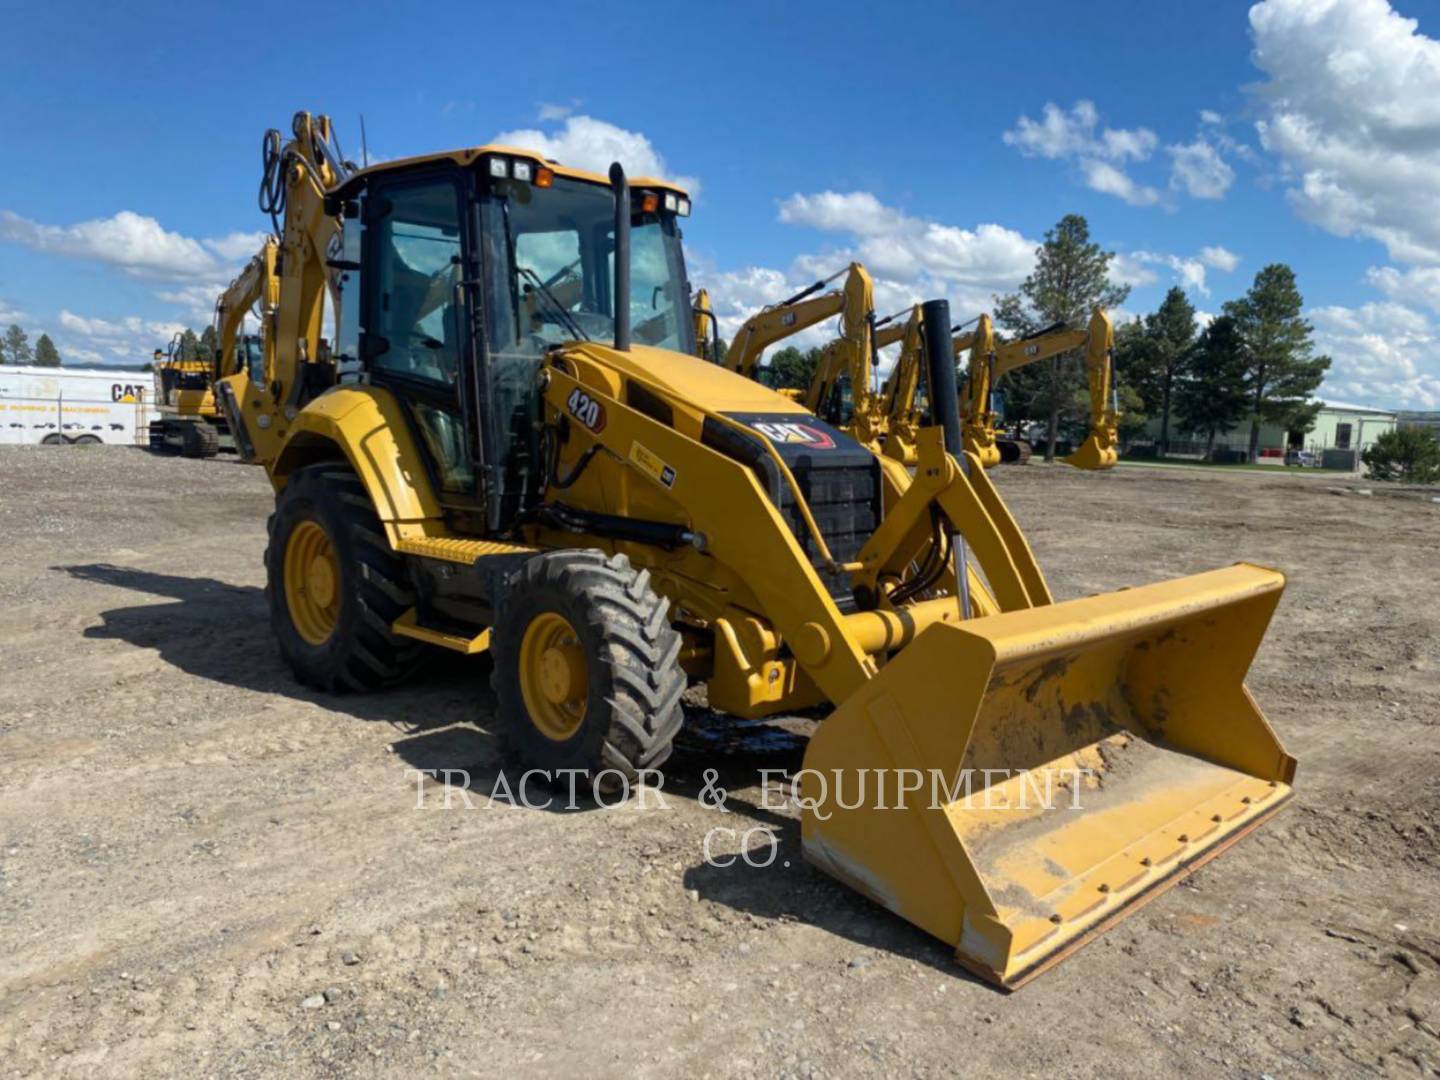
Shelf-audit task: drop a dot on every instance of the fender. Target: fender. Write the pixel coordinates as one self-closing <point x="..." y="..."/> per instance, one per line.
<point x="367" y="426"/>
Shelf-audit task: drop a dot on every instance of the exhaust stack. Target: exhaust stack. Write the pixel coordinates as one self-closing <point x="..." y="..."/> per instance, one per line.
<point x="622" y="256"/>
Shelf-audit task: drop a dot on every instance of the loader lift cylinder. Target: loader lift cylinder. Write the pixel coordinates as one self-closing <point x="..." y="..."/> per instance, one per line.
<point x="945" y="411"/>
<point x="940" y="361"/>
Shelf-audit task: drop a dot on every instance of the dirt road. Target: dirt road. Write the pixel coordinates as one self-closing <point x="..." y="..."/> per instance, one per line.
<point x="204" y="868"/>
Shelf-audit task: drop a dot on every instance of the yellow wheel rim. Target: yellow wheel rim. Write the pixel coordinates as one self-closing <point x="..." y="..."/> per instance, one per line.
<point x="312" y="582"/>
<point x="554" y="677"/>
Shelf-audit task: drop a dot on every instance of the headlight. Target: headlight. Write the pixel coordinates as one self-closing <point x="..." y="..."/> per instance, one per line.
<point x="671" y="203"/>
<point x="683" y="207"/>
<point x="499" y="167"/>
<point x="524" y="170"/>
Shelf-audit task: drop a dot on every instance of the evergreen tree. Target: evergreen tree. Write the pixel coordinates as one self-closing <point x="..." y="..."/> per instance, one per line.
<point x="17" y="346"/>
<point x="189" y="345"/>
<point x="46" y="355"/>
<point x="1213" y="400"/>
<point x="1280" y="373"/>
<point x="1171" y="334"/>
<point x="792" y="368"/>
<point x="1071" y="277"/>
<point x="207" y="345"/>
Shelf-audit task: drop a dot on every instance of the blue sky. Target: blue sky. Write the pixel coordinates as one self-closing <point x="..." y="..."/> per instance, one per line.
<point x="936" y="142"/>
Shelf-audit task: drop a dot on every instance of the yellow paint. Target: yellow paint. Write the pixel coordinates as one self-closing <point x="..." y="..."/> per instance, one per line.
<point x="312" y="582"/>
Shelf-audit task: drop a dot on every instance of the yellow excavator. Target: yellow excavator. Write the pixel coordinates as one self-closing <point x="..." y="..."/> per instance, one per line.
<point x="189" y="422"/>
<point x="989" y="362"/>
<point x="512" y="472"/>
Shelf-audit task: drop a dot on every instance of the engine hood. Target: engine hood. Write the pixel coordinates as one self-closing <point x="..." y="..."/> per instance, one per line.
<point x="688" y="378"/>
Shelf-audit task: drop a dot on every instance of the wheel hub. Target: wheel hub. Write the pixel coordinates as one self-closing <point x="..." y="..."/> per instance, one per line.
<point x="312" y="582"/>
<point x="554" y="676"/>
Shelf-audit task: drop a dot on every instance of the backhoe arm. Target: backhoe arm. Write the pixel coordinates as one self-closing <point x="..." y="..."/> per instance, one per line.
<point x="789" y="317"/>
<point x="298" y="176"/>
<point x="256" y="284"/>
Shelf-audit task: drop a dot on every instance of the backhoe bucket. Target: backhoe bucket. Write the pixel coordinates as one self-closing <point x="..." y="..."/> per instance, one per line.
<point x="1096" y="452"/>
<point x="1016" y="783"/>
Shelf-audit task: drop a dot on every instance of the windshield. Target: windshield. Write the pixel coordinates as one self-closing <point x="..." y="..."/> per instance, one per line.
<point x="549" y="257"/>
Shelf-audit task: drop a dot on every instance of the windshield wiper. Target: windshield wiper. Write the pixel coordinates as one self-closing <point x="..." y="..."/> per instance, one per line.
<point x="566" y="319"/>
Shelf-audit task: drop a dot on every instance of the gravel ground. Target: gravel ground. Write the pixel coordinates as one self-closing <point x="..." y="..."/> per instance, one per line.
<point x="206" y="869"/>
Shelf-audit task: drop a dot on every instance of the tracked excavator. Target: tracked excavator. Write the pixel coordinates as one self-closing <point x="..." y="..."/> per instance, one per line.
<point x="989" y="362"/>
<point x="512" y="472"/>
<point x="188" y="421"/>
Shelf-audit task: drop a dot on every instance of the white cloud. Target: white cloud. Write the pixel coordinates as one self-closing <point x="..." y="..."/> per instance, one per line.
<point x="10" y="314"/>
<point x="1064" y="135"/>
<point x="1189" y="271"/>
<point x="237" y="247"/>
<point x="1203" y="319"/>
<point x="1219" y="258"/>
<point x="911" y="259"/>
<point x="586" y="143"/>
<point x="1416" y="285"/>
<point x="1383" y="354"/>
<point x="1105" y="178"/>
<point x="1210" y="117"/>
<point x="1352" y="109"/>
<point x="550" y="111"/>
<point x="1198" y="170"/>
<point x="134" y="243"/>
<point x="94" y="340"/>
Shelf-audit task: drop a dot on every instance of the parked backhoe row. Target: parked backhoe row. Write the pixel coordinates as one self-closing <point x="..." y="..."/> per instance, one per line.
<point x="511" y="446"/>
<point x="887" y="421"/>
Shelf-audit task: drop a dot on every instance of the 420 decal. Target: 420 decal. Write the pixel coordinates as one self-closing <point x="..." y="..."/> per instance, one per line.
<point x="586" y="409"/>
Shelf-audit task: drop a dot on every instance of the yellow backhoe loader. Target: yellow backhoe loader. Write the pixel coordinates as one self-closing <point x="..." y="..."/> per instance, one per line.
<point x="989" y="362"/>
<point x="512" y="472"/>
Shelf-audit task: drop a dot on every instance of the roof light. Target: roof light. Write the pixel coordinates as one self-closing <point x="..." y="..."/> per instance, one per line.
<point x="649" y="203"/>
<point x="544" y="177"/>
<point x="683" y="207"/>
<point x="523" y="170"/>
<point x="499" y="167"/>
<point x="670" y="201"/>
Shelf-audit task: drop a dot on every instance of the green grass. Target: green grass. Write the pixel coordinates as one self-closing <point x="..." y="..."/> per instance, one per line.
<point x="1189" y="463"/>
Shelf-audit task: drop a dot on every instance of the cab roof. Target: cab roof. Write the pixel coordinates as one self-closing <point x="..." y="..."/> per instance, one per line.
<point x="469" y="155"/>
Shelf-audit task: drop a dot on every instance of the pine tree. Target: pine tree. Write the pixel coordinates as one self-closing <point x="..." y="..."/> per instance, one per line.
<point x="17" y="346"/>
<point x="1281" y="373"/>
<point x="1071" y="277"/>
<point x="1213" y="400"/>
<point x="207" y="349"/>
<point x="46" y="355"/>
<point x="792" y="368"/>
<point x="189" y="345"/>
<point x="1171" y="334"/>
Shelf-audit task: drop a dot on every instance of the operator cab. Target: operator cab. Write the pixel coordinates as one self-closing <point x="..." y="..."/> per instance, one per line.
<point x="460" y="271"/>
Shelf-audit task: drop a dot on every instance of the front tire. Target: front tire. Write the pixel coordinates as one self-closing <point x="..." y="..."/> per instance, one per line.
<point x="335" y="587"/>
<point x="587" y="669"/>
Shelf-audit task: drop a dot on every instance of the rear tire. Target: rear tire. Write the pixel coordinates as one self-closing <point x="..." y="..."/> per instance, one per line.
<point x="367" y="590"/>
<point x="627" y="667"/>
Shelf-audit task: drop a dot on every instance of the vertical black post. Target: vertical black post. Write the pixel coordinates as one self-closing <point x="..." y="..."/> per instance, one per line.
<point x="940" y="367"/>
<point x="622" y="257"/>
<point x="945" y="408"/>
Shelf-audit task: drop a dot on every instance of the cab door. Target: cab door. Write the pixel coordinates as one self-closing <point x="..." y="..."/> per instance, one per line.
<point x="413" y="326"/>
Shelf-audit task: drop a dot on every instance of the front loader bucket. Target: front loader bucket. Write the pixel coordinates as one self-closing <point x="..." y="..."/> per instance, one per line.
<point x="1014" y="784"/>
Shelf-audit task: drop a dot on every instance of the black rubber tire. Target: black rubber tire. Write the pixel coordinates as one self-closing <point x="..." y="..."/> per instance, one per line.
<point x="632" y="658"/>
<point x="362" y="653"/>
<point x="54" y="439"/>
<point x="199" y="440"/>
<point x="86" y="440"/>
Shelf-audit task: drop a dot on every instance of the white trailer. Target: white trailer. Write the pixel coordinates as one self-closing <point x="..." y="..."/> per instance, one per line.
<point x="55" y="406"/>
